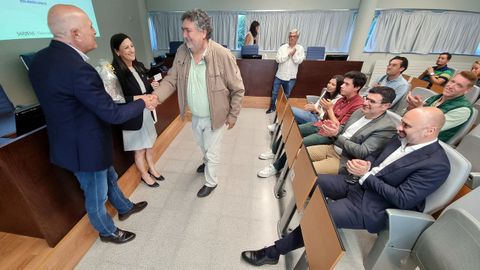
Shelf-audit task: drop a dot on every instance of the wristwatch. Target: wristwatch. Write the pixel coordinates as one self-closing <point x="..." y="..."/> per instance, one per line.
<point x="432" y="74"/>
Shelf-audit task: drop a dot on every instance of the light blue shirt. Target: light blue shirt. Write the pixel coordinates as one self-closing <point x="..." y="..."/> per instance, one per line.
<point x="197" y="93"/>
<point x="399" y="84"/>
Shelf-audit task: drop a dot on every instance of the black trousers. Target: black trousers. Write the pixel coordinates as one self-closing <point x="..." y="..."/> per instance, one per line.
<point x="344" y="204"/>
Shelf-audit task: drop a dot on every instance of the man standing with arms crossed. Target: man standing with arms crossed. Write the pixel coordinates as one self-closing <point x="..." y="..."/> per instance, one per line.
<point x="208" y="80"/>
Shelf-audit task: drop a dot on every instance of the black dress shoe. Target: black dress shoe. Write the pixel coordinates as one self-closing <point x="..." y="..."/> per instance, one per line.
<point x="201" y="168"/>
<point x="205" y="191"/>
<point x="137" y="207"/>
<point x="155" y="184"/>
<point x="258" y="257"/>
<point x="160" y="178"/>
<point x="118" y="237"/>
<point x="270" y="110"/>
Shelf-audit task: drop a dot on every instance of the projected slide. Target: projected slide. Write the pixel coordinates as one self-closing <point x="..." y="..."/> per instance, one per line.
<point x="24" y="19"/>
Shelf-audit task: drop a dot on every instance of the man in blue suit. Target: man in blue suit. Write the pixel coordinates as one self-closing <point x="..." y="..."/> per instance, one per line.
<point x="79" y="113"/>
<point x="411" y="167"/>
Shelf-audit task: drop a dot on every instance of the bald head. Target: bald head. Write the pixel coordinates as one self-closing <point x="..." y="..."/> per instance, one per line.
<point x="421" y="125"/>
<point x="71" y="25"/>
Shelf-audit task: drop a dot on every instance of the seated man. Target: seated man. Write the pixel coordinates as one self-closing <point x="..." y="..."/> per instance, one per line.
<point x="411" y="167"/>
<point x="365" y="133"/>
<point x="394" y="79"/>
<point x="339" y="113"/>
<point x="439" y="74"/>
<point x="452" y="102"/>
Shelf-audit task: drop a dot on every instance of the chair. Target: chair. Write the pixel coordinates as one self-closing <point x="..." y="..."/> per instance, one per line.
<point x="395" y="243"/>
<point x="173" y="45"/>
<point x="7" y="115"/>
<point x="459" y="228"/>
<point x="315" y="53"/>
<point x="477" y="106"/>
<point x="303" y="178"/>
<point x="401" y="107"/>
<point x="469" y="147"/>
<point x="416" y="82"/>
<point x="27" y="59"/>
<point x="473" y="94"/>
<point x="250" y="51"/>
<point x="396" y="118"/>
<point x="464" y="129"/>
<point x="323" y="247"/>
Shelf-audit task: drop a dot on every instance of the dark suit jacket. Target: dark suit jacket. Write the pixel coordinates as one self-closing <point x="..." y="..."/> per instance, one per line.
<point x="404" y="184"/>
<point x="131" y="88"/>
<point x="77" y="109"/>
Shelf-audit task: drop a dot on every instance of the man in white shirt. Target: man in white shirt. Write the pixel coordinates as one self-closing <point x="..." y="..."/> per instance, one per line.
<point x="411" y="167"/>
<point x="289" y="57"/>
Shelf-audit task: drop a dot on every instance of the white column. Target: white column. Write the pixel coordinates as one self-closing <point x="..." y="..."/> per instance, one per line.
<point x="143" y="15"/>
<point x="366" y="12"/>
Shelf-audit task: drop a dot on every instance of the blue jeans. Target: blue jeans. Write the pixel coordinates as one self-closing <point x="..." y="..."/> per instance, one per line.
<point x="97" y="186"/>
<point x="287" y="88"/>
<point x="302" y="116"/>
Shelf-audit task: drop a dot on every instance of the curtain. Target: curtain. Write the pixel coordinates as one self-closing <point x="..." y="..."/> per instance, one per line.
<point x="402" y="31"/>
<point x="168" y="27"/>
<point x="329" y="29"/>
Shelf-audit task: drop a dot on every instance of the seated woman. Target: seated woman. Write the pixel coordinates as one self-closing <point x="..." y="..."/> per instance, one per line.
<point x="251" y="37"/>
<point x="476" y="69"/>
<point x="315" y="112"/>
<point x="139" y="133"/>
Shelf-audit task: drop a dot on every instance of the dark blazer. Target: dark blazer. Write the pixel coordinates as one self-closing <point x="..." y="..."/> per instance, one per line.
<point x="404" y="184"/>
<point x="77" y="109"/>
<point x="131" y="88"/>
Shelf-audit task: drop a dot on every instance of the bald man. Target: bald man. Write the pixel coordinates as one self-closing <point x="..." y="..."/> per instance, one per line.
<point x="411" y="167"/>
<point x="79" y="113"/>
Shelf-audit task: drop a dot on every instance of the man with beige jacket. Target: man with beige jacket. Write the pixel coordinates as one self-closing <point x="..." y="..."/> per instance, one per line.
<point x="208" y="80"/>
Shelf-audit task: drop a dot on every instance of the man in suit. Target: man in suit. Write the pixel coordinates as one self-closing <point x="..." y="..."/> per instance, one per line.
<point x="79" y="113"/>
<point x="365" y="133"/>
<point x="411" y="167"/>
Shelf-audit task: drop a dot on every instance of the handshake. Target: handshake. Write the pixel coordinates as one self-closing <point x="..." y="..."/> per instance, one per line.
<point x="151" y="101"/>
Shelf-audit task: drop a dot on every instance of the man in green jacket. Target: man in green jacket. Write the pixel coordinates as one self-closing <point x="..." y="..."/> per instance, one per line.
<point x="208" y="80"/>
<point x="451" y="102"/>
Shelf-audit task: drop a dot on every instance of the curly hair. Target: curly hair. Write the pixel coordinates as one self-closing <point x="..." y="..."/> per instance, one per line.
<point x="201" y="20"/>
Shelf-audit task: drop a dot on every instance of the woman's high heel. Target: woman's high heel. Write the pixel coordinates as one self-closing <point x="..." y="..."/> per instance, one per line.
<point x="160" y="178"/>
<point x="154" y="185"/>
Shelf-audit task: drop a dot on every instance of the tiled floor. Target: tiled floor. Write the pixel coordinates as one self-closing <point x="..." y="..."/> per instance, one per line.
<point x="180" y="231"/>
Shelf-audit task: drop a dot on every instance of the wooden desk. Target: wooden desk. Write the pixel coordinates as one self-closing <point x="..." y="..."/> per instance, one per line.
<point x="39" y="199"/>
<point x="312" y="76"/>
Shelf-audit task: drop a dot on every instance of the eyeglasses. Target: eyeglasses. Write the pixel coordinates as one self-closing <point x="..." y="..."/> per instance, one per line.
<point x="371" y="101"/>
<point x="292" y="36"/>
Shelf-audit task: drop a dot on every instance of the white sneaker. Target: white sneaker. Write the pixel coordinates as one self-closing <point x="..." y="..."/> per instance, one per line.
<point x="266" y="155"/>
<point x="267" y="171"/>
<point x="271" y="127"/>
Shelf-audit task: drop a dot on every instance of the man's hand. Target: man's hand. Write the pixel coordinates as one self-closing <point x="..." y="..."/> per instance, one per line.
<point x="358" y="167"/>
<point x="430" y="70"/>
<point x="376" y="85"/>
<point x="292" y="52"/>
<point x="326" y="104"/>
<point x="310" y="107"/>
<point x="329" y="129"/>
<point x="229" y="125"/>
<point x="151" y="101"/>
<point x="414" y="101"/>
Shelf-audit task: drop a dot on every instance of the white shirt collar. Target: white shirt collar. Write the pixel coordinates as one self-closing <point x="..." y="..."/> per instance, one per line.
<point x="84" y="56"/>
<point x="404" y="146"/>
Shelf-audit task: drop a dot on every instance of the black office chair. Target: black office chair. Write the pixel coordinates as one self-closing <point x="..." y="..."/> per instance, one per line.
<point x="173" y="45"/>
<point x="7" y="115"/>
